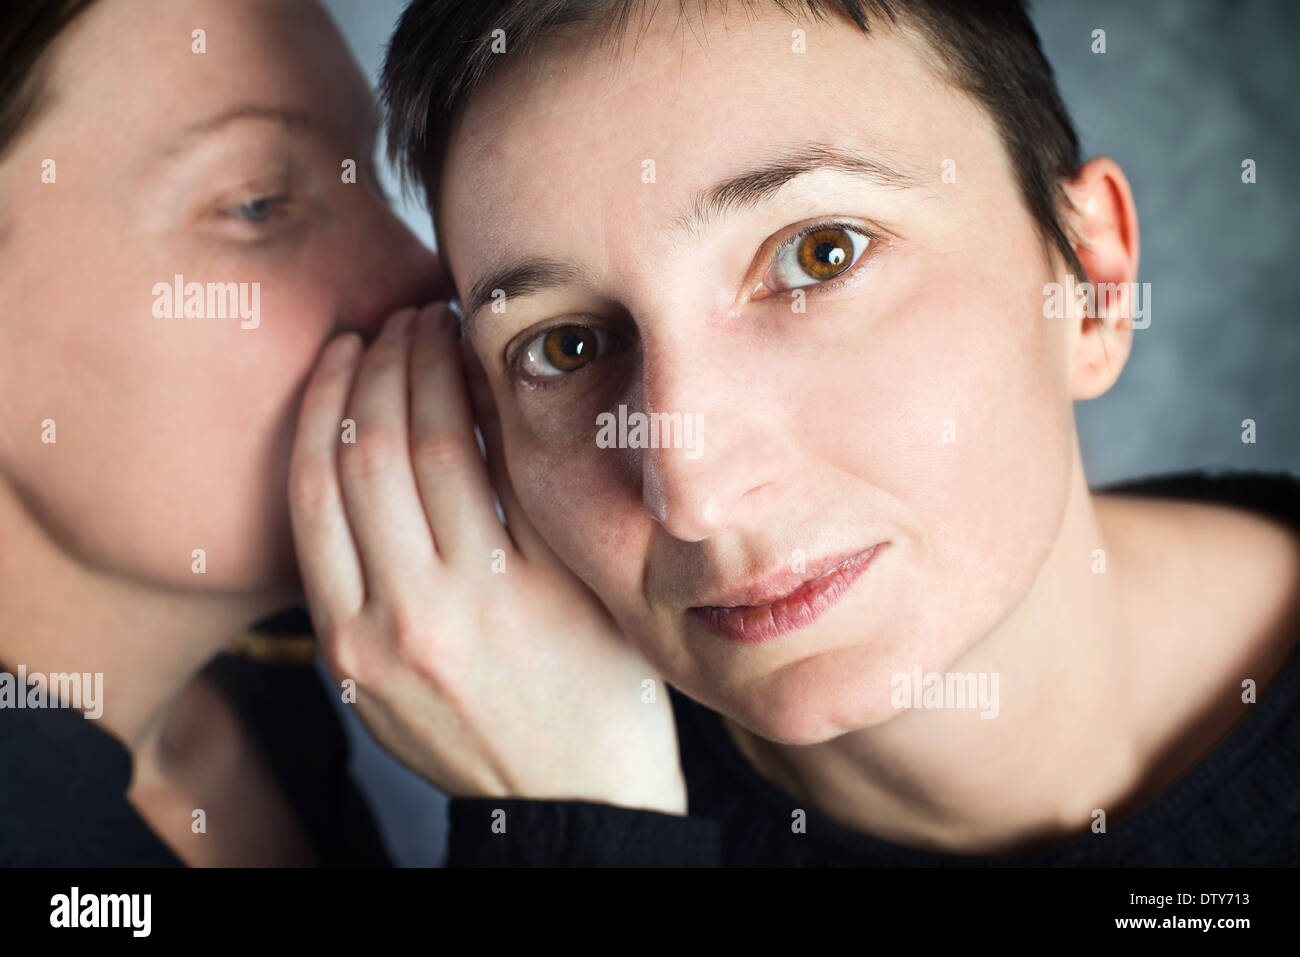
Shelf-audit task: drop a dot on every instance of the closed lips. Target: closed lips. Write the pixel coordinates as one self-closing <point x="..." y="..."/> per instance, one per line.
<point x="750" y="615"/>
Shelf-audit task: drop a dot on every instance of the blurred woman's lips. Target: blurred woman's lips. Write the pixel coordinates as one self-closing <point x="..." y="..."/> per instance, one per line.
<point x="752" y="624"/>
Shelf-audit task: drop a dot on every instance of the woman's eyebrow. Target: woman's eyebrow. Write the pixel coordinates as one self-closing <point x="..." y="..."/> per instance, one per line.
<point x="291" y="118"/>
<point x="748" y="188"/>
<point x="520" y="279"/>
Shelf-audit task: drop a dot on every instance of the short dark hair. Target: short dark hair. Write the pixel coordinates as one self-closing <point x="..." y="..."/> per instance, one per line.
<point x="441" y="53"/>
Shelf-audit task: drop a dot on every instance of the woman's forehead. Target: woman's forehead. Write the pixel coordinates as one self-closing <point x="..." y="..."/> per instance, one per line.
<point x="640" y="137"/>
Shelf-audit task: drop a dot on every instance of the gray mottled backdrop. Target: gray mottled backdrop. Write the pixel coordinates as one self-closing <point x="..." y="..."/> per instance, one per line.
<point x="1186" y="90"/>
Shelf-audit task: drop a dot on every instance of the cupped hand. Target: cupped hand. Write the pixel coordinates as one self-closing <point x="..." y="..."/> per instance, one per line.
<point x="479" y="660"/>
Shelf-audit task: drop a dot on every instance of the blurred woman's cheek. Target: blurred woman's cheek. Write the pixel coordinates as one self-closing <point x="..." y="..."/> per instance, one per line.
<point x="185" y="423"/>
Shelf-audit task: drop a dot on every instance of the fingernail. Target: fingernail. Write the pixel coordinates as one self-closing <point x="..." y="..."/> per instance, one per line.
<point x="398" y="324"/>
<point x="437" y="319"/>
<point x="340" y="351"/>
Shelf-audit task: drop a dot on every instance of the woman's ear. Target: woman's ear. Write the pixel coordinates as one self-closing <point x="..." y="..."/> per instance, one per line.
<point x="1103" y="227"/>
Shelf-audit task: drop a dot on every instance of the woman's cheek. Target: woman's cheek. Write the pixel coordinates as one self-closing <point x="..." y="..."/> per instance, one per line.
<point x="957" y="414"/>
<point x="994" y="485"/>
<point x="236" y="479"/>
<point x="583" y="501"/>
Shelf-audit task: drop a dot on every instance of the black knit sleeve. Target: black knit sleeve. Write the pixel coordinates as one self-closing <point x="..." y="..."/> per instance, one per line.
<point x="63" y="783"/>
<point x="501" y="832"/>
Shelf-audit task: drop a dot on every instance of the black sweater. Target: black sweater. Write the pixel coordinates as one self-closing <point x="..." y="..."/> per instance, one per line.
<point x="63" y="779"/>
<point x="63" y="782"/>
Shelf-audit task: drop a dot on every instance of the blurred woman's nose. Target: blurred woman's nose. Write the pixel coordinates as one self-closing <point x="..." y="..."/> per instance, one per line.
<point x="389" y="268"/>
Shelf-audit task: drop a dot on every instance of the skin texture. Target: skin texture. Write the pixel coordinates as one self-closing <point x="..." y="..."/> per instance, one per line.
<point x="823" y="430"/>
<point x="175" y="434"/>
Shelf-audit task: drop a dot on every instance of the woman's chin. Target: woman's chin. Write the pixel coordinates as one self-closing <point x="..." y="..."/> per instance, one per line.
<point x="800" y="709"/>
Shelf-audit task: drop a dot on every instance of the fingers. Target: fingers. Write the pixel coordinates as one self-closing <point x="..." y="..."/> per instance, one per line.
<point x="376" y="506"/>
<point x="327" y="555"/>
<point x="379" y="492"/>
<point x="449" y="469"/>
<point x="521" y="530"/>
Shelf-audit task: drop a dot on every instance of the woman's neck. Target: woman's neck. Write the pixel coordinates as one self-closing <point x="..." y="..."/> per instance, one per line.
<point x="57" y="615"/>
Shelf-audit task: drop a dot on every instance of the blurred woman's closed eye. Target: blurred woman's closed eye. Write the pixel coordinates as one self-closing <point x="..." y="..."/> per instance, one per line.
<point x="256" y="213"/>
<point x="257" y="210"/>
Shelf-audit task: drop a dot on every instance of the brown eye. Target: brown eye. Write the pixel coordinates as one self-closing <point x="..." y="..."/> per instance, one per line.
<point x="825" y="253"/>
<point x="814" y="257"/>
<point x="565" y="349"/>
<point x="569" y="349"/>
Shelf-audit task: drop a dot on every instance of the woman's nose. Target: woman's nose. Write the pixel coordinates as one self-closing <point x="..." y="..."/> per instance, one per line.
<point x="720" y="454"/>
